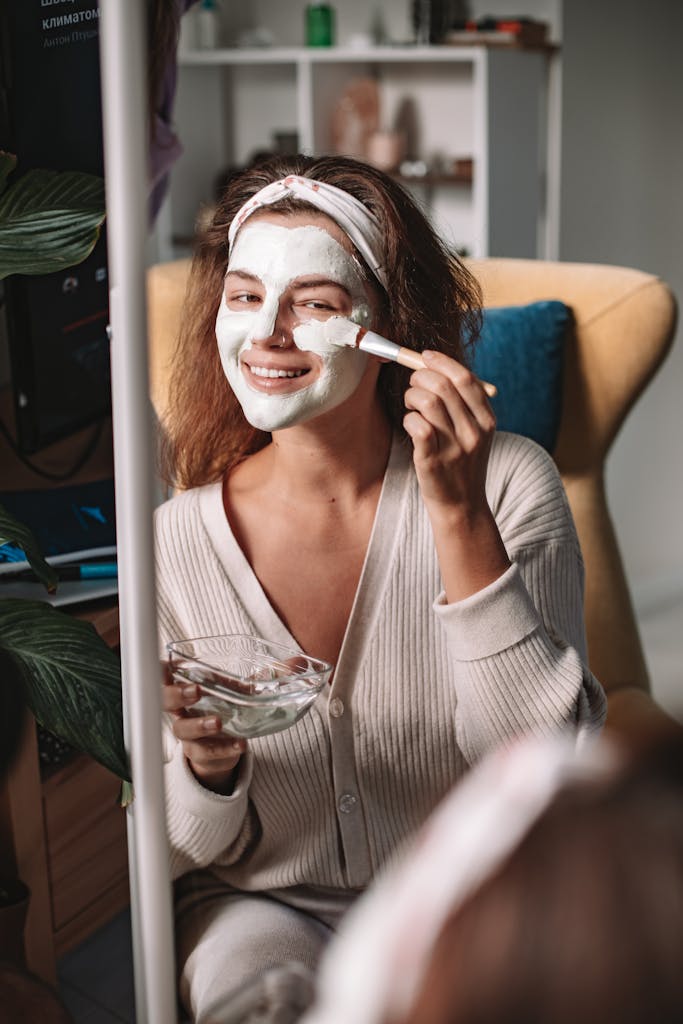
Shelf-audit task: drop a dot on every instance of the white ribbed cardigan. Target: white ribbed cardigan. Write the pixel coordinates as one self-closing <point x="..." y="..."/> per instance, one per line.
<point x="421" y="689"/>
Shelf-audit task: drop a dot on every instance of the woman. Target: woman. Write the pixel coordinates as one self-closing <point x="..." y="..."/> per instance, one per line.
<point x="369" y="515"/>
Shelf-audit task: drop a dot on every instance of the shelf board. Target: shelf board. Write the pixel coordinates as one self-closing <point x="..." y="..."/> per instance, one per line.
<point x="227" y="56"/>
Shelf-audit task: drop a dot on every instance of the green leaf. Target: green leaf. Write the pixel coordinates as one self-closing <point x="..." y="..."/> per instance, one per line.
<point x="14" y="532"/>
<point x="70" y="678"/>
<point x="127" y="794"/>
<point x="8" y="162"/>
<point x="49" y="220"/>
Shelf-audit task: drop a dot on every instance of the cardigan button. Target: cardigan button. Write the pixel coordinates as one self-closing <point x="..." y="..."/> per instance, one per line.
<point x="336" y="707"/>
<point x="347" y="802"/>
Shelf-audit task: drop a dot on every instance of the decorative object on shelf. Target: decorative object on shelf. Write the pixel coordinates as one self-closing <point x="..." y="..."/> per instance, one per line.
<point x="207" y="26"/>
<point x="360" y="41"/>
<point x="385" y="149"/>
<point x="413" y="169"/>
<point x="441" y="169"/>
<point x="319" y="25"/>
<point x="355" y="117"/>
<point x="497" y="31"/>
<point x="407" y="121"/>
<point x="378" y="29"/>
<point x="187" y="32"/>
<point x="432" y="19"/>
<point x="463" y="168"/>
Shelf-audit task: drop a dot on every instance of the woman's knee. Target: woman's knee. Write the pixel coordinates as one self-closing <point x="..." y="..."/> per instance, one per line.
<point x="247" y="948"/>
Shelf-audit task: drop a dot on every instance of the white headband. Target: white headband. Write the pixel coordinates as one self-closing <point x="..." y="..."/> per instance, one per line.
<point x="372" y="971"/>
<point x="357" y="221"/>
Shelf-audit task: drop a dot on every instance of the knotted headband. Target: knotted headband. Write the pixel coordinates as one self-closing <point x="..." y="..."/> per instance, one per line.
<point x="352" y="216"/>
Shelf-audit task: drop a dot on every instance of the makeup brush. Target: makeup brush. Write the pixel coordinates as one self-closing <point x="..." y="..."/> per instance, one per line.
<point x="340" y="331"/>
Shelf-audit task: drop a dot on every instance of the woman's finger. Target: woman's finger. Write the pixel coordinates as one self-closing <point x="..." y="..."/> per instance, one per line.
<point x="430" y="405"/>
<point x="436" y="398"/>
<point x="196" y="727"/>
<point x="423" y="435"/>
<point x="466" y="383"/>
<point x="178" y="696"/>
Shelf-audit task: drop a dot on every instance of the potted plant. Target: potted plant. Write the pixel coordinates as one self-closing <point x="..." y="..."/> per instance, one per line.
<point x="50" y="662"/>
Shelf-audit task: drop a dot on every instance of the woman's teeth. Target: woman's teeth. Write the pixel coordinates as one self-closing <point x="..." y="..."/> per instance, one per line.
<point x="261" y="371"/>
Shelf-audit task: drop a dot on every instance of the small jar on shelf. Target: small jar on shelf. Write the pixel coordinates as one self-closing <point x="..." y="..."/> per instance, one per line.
<point x="319" y="25"/>
<point x="207" y="25"/>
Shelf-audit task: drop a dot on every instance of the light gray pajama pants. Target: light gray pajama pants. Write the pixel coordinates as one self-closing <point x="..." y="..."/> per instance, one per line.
<point x="250" y="956"/>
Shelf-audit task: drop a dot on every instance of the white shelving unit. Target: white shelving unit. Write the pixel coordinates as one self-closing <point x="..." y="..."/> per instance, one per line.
<point x="486" y="103"/>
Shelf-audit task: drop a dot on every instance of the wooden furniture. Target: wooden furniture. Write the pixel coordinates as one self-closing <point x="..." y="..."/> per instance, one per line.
<point x="64" y="835"/>
<point x="624" y="326"/>
<point x="476" y="102"/>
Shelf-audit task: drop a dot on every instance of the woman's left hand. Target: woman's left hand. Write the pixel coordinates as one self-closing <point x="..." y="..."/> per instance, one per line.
<point x="451" y="425"/>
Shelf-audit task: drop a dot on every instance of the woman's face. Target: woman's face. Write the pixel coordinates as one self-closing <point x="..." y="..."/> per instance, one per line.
<point x="285" y="271"/>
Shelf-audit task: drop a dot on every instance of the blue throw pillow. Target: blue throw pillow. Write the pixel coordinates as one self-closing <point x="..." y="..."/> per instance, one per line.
<point x="520" y="350"/>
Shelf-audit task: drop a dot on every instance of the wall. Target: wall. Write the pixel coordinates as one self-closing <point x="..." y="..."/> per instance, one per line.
<point x="620" y="202"/>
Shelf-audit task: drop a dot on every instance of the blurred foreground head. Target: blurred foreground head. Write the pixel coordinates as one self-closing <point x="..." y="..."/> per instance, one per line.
<point x="584" y="922"/>
<point x="547" y="889"/>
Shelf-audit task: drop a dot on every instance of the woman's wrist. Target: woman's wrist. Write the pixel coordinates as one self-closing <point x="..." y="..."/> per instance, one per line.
<point x="222" y="782"/>
<point x="469" y="548"/>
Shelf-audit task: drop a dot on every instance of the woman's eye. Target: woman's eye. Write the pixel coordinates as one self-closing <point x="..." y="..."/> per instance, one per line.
<point x="317" y="304"/>
<point x="245" y="298"/>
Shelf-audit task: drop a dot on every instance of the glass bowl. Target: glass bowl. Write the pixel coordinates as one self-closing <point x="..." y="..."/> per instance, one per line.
<point x="254" y="686"/>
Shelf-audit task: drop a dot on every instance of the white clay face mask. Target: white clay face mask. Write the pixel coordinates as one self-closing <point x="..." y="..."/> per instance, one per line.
<point x="278" y="256"/>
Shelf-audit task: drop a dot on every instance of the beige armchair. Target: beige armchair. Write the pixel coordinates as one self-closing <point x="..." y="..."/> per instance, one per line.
<point x="624" y="326"/>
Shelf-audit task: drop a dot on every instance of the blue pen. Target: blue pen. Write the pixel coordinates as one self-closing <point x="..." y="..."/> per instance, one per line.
<point x="88" y="571"/>
<point x="85" y="571"/>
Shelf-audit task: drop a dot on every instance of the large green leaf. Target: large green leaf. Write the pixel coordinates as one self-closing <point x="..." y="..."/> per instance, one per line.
<point x="14" y="532"/>
<point x="49" y="220"/>
<point x="70" y="678"/>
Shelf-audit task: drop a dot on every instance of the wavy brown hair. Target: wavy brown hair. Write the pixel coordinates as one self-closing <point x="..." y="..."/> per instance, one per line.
<point x="432" y="302"/>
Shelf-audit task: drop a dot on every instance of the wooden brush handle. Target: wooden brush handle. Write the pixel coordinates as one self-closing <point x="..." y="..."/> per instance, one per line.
<point x="407" y="357"/>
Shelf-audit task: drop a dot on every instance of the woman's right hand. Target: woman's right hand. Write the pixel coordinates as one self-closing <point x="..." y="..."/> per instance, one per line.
<point x="212" y="755"/>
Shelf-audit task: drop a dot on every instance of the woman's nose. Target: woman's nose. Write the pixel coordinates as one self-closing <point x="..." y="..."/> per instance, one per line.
<point x="272" y="328"/>
<point x="278" y="338"/>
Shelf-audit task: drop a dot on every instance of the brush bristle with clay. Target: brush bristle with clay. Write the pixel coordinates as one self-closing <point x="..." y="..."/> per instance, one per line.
<point x="340" y="331"/>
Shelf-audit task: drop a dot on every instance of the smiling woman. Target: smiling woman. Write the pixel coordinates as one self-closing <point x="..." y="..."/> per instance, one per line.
<point x="274" y="284"/>
<point x="371" y="517"/>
